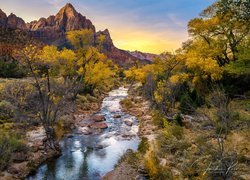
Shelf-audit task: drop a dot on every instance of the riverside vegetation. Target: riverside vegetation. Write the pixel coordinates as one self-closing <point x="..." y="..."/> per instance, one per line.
<point x="193" y="104"/>
<point x="200" y="101"/>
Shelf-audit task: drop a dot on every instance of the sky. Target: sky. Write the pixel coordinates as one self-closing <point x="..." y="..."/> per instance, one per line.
<point x="146" y="25"/>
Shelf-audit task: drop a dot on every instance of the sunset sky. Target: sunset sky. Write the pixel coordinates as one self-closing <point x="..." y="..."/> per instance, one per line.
<point x="145" y="25"/>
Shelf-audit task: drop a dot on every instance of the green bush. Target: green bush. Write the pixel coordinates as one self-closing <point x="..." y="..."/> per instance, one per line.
<point x="186" y="104"/>
<point x="190" y="101"/>
<point x="178" y="119"/>
<point x="10" y="68"/>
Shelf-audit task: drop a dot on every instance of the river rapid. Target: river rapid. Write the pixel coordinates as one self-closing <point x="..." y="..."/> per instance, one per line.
<point x="92" y="156"/>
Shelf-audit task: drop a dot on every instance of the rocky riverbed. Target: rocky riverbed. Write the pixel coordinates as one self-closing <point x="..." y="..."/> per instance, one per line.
<point x="96" y="143"/>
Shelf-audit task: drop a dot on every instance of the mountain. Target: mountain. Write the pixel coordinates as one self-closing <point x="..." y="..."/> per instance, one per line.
<point x="144" y="56"/>
<point x="52" y="31"/>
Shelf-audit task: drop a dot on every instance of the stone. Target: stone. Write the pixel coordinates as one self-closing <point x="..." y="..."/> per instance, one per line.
<point x="85" y="130"/>
<point x="70" y="136"/>
<point x="117" y="116"/>
<point x="98" y="118"/>
<point x="99" y="146"/>
<point x="99" y="125"/>
<point x="128" y="122"/>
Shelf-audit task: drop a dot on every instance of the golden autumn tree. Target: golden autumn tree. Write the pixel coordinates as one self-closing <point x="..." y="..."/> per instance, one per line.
<point x="53" y="94"/>
<point x="93" y="68"/>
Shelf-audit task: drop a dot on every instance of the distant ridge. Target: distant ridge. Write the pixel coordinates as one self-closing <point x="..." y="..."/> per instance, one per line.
<point x="52" y="31"/>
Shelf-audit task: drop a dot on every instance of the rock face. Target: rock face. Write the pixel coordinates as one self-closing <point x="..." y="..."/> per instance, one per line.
<point x="120" y="57"/>
<point x="12" y="21"/>
<point x="52" y="31"/>
<point x="15" y="22"/>
<point x="144" y="56"/>
<point x="3" y="18"/>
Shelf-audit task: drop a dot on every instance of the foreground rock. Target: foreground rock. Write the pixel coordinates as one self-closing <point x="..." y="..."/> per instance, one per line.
<point x="98" y="118"/>
<point x="85" y="130"/>
<point x="117" y="116"/>
<point x="99" y="125"/>
<point x="128" y="122"/>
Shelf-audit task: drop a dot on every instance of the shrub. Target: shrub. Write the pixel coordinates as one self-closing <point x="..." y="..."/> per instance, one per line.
<point x="10" y="68"/>
<point x="91" y="98"/>
<point x="130" y="157"/>
<point x="159" y="120"/>
<point x="186" y="104"/>
<point x="143" y="146"/>
<point x="81" y="99"/>
<point x="9" y="143"/>
<point x="178" y="119"/>
<point x="155" y="170"/>
<point x="176" y="131"/>
<point x="127" y="103"/>
<point x="190" y="101"/>
<point x="6" y="110"/>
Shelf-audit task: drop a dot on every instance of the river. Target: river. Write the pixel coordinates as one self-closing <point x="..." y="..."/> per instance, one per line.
<point x="81" y="159"/>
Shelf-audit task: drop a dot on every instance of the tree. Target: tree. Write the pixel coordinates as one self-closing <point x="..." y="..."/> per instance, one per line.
<point x="53" y="97"/>
<point x="223" y="26"/>
<point x="81" y="38"/>
<point x="93" y="68"/>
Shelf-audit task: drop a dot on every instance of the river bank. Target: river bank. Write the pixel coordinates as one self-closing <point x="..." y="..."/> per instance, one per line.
<point x="27" y="162"/>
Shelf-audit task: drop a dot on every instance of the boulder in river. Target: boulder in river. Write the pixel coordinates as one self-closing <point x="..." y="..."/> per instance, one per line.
<point x="128" y="122"/>
<point x="99" y="125"/>
<point x="85" y="130"/>
<point x="98" y="118"/>
<point x="99" y="146"/>
<point x="117" y="116"/>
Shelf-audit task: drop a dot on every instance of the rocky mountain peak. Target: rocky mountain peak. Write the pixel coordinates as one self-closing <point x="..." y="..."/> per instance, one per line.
<point x="15" y="22"/>
<point x="68" y="10"/>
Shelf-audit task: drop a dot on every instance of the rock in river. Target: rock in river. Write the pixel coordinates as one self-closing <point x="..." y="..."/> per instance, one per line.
<point x="98" y="118"/>
<point x="128" y="122"/>
<point x="99" y="125"/>
<point x="117" y="116"/>
<point x="85" y="130"/>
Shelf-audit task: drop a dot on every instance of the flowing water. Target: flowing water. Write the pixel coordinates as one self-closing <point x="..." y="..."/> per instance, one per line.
<point x="80" y="159"/>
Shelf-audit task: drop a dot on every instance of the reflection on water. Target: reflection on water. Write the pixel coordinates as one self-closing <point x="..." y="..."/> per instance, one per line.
<point x="90" y="157"/>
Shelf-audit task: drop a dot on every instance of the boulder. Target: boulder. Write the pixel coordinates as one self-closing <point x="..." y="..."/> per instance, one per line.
<point x="85" y="130"/>
<point x="128" y="122"/>
<point x="99" y="125"/>
<point x="117" y="116"/>
<point x="98" y="118"/>
<point x="70" y="136"/>
<point x="99" y="146"/>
